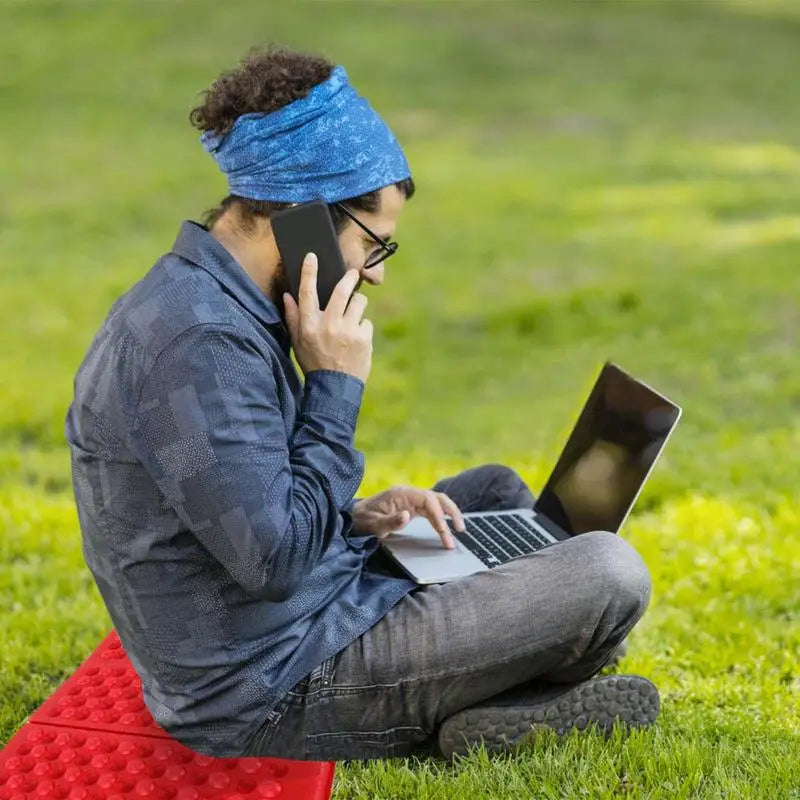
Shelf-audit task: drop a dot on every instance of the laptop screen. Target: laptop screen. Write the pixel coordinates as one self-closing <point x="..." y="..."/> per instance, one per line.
<point x="609" y="454"/>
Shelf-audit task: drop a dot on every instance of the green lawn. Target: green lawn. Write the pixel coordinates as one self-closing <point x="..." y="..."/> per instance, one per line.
<point x="595" y="180"/>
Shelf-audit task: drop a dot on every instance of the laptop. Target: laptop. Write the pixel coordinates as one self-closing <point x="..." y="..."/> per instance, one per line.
<point x="614" y="445"/>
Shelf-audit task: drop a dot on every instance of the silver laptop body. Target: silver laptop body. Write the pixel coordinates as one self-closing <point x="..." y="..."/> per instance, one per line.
<point x="611" y="451"/>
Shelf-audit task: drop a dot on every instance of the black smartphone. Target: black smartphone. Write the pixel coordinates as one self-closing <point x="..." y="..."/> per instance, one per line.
<point x="308" y="228"/>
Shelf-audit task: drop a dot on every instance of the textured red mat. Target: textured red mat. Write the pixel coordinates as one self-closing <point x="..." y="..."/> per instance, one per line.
<point x="94" y="739"/>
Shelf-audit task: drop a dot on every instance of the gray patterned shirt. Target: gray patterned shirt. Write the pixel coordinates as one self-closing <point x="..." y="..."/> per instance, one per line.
<point x="214" y="492"/>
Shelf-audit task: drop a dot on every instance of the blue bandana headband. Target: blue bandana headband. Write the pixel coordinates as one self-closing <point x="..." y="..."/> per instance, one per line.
<point x="328" y="145"/>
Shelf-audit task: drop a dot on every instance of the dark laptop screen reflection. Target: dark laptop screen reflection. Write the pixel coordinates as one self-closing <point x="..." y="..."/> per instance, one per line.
<point x="606" y="460"/>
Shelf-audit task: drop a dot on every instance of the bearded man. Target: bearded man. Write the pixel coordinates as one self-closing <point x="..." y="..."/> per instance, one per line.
<point x="215" y="486"/>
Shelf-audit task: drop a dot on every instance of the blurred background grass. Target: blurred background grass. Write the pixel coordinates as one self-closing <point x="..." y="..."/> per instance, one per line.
<point x="595" y="180"/>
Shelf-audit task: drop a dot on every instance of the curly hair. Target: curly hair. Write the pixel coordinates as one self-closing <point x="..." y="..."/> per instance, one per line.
<point x="265" y="80"/>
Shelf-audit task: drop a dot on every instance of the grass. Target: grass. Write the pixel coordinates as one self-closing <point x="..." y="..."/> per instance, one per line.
<point x="595" y="180"/>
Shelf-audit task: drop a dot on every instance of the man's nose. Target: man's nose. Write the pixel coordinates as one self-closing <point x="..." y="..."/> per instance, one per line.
<point x="373" y="275"/>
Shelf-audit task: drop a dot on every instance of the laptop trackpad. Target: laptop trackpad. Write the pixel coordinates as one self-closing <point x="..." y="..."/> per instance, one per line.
<point x="419" y="549"/>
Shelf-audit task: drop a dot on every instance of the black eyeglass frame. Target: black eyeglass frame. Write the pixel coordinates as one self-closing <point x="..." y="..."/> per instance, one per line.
<point x="389" y="248"/>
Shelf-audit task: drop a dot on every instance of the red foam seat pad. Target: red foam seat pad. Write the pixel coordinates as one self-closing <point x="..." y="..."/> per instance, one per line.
<point x="94" y="739"/>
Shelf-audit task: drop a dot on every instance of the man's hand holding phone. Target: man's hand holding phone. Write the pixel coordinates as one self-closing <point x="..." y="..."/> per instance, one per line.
<point x="336" y="338"/>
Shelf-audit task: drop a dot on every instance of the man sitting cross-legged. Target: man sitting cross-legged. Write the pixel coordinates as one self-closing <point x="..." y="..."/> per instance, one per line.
<point x="215" y="488"/>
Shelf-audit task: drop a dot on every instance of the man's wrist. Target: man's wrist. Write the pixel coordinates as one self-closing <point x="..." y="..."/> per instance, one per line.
<point x="350" y="510"/>
<point x="351" y="506"/>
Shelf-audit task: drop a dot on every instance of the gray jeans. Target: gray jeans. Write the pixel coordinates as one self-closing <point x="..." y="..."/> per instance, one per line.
<point x="554" y="616"/>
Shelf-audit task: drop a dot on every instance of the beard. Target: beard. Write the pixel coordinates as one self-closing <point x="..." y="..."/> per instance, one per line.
<point x="278" y="285"/>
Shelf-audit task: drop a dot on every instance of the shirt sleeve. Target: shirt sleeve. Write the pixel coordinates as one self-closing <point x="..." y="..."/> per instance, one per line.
<point x="262" y="498"/>
<point x="350" y="507"/>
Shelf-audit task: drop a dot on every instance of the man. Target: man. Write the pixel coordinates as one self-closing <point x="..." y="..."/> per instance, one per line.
<point x="215" y="488"/>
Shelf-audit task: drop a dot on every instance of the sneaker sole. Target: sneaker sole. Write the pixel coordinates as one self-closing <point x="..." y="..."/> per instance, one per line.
<point x="602" y="701"/>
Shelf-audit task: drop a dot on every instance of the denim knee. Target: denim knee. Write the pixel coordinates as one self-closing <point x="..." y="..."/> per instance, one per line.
<point x="489" y="487"/>
<point x="616" y="571"/>
<point x="503" y="487"/>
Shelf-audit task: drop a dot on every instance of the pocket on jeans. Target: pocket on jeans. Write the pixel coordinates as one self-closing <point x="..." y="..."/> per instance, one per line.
<point x="321" y="676"/>
<point x="263" y="736"/>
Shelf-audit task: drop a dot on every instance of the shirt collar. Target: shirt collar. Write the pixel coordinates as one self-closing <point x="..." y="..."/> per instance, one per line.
<point x="196" y="244"/>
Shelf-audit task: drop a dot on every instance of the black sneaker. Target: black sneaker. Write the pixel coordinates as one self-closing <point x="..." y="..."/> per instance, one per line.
<point x="504" y="721"/>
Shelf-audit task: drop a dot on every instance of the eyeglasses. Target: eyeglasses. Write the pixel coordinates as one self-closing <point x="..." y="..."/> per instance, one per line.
<point x="387" y="248"/>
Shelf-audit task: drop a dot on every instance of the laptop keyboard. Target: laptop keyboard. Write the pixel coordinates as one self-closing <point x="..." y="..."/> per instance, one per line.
<point x="496" y="539"/>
